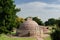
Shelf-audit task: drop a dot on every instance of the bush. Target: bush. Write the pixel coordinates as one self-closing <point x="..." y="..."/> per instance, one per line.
<point x="55" y="35"/>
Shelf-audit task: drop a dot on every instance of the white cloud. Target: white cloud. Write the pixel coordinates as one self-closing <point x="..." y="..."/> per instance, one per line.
<point x="43" y="10"/>
<point x="56" y="2"/>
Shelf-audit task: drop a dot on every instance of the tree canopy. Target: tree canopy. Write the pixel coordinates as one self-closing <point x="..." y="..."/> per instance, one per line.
<point x="36" y="19"/>
<point x="50" y="22"/>
<point x="8" y="12"/>
<point x="19" y="21"/>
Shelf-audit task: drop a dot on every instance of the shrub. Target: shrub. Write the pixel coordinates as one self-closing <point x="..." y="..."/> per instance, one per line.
<point x="55" y="35"/>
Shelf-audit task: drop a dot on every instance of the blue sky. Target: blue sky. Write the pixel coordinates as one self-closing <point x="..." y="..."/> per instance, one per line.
<point x="43" y="9"/>
<point x="26" y="1"/>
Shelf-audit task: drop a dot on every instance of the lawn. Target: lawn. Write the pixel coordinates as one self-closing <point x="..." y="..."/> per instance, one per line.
<point x="4" y="37"/>
<point x="47" y="38"/>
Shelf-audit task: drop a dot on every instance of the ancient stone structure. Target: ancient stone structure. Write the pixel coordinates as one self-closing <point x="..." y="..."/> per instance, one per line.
<point x="28" y="29"/>
<point x="31" y="29"/>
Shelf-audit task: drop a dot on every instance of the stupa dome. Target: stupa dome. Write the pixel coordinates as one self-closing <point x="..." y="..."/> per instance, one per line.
<point x="28" y="25"/>
<point x="27" y="28"/>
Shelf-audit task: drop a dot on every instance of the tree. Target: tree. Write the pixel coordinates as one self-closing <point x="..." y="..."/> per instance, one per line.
<point x="7" y="15"/>
<point x="58" y="23"/>
<point x="28" y="17"/>
<point x="19" y="21"/>
<point x="50" y="22"/>
<point x="55" y="35"/>
<point x="38" y="20"/>
<point x="46" y="23"/>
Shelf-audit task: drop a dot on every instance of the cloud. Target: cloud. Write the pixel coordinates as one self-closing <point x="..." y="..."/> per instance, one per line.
<point x="43" y="10"/>
<point x="56" y="2"/>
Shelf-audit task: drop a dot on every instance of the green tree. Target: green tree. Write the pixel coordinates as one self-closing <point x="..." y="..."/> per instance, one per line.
<point x="28" y="17"/>
<point x="50" y="22"/>
<point x="38" y="20"/>
<point x="19" y="21"/>
<point x="8" y="12"/>
<point x="55" y="35"/>
<point x="58" y="23"/>
<point x="46" y="23"/>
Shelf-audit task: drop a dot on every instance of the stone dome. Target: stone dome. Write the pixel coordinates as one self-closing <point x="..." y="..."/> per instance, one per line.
<point x="27" y="28"/>
<point x="28" y="25"/>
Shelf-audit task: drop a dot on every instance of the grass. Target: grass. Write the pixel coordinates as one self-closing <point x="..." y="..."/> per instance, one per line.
<point x="4" y="37"/>
<point x="47" y="38"/>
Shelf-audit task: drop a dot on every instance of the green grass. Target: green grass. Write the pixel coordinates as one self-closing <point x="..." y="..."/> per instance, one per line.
<point x="47" y="38"/>
<point x="4" y="37"/>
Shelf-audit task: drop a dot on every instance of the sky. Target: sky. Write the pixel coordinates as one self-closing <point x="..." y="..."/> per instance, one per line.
<point x="44" y="9"/>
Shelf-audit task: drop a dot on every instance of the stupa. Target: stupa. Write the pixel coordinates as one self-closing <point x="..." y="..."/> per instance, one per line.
<point x="28" y="28"/>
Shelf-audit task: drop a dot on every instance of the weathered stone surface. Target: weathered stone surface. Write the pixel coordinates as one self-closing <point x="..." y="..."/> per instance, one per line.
<point x="28" y="28"/>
